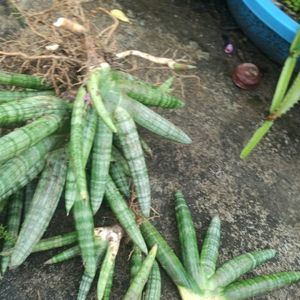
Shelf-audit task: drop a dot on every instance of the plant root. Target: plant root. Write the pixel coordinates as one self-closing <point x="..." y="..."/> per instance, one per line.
<point x="64" y="52"/>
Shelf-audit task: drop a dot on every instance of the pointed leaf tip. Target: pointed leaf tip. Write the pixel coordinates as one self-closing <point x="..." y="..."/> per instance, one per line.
<point x="119" y="15"/>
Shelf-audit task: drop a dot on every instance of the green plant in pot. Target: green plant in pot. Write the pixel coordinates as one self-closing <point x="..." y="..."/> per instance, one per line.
<point x="294" y="5"/>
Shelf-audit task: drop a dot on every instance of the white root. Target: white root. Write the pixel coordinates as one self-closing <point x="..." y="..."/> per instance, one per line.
<point x="171" y="63"/>
<point x="70" y="25"/>
<point x="52" y="47"/>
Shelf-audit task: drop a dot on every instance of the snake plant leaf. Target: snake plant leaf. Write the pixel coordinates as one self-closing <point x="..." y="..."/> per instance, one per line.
<point x="13" y="225"/>
<point x="29" y="192"/>
<point x="124" y="214"/>
<point x="238" y="266"/>
<point x="93" y="87"/>
<point x="134" y="154"/>
<point x="210" y="250"/>
<point x="107" y="267"/>
<point x="100" y="163"/>
<point x="259" y="285"/>
<point x="153" y="287"/>
<point x="109" y="283"/>
<point x="88" y="138"/>
<point x="7" y="96"/>
<point x="29" y="108"/>
<point x="215" y="284"/>
<point x="120" y="179"/>
<point x="87" y="279"/>
<point x="76" y="142"/>
<point x="187" y="236"/>
<point x="84" y="224"/>
<point x="166" y="86"/>
<point x="23" y="138"/>
<point x="56" y="242"/>
<point x="167" y="258"/>
<point x="153" y="121"/>
<point x="150" y="96"/>
<point x="43" y="206"/>
<point x="136" y="261"/>
<point x="137" y="285"/>
<point x="24" y="80"/>
<point x="118" y="156"/>
<point x="21" y="169"/>
<point x="64" y="255"/>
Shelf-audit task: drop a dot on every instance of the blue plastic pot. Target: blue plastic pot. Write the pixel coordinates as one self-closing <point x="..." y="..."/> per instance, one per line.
<point x="271" y="29"/>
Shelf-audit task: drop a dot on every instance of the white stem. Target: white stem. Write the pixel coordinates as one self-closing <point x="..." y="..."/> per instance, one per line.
<point x="111" y="234"/>
<point x="171" y="63"/>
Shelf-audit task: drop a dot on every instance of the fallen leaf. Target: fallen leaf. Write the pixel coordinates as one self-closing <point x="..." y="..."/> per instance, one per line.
<point x="119" y="15"/>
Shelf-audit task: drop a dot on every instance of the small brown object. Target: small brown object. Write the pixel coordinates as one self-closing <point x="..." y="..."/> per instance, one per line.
<point x="70" y="25"/>
<point x="246" y="76"/>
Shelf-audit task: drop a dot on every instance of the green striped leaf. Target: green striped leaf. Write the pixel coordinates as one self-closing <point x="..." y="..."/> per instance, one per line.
<point x="56" y="242"/>
<point x="153" y="287"/>
<point x="29" y="108"/>
<point x="43" y="206"/>
<point x="118" y="156"/>
<point x="238" y="266"/>
<point x="210" y="251"/>
<point x="259" y="285"/>
<point x="167" y="258"/>
<point x="109" y="283"/>
<point x="64" y="256"/>
<point x="7" y="96"/>
<point x="76" y="143"/>
<point x="119" y="177"/>
<point x="136" y="261"/>
<point x="87" y="280"/>
<point x="88" y="137"/>
<point x="187" y="236"/>
<point x="133" y="152"/>
<point x="107" y="267"/>
<point x="23" y="138"/>
<point x="93" y="86"/>
<point x="12" y="226"/>
<point x="124" y="215"/>
<point x="148" y="95"/>
<point x="84" y="224"/>
<point x="20" y="170"/>
<point x="100" y="164"/>
<point x="29" y="192"/>
<point x="137" y="285"/>
<point x="23" y="80"/>
<point x="154" y="122"/>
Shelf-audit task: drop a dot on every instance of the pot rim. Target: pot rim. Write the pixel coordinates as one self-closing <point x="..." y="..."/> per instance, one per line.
<point x="274" y="17"/>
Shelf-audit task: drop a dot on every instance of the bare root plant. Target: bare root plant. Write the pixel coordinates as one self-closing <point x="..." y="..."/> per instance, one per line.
<point x="61" y="54"/>
<point x="62" y="43"/>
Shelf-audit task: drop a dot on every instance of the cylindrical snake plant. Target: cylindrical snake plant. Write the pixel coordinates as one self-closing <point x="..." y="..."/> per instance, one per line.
<point x="104" y="145"/>
<point x="198" y="277"/>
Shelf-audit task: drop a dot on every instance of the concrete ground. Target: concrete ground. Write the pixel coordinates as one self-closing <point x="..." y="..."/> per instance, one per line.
<point x="257" y="199"/>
